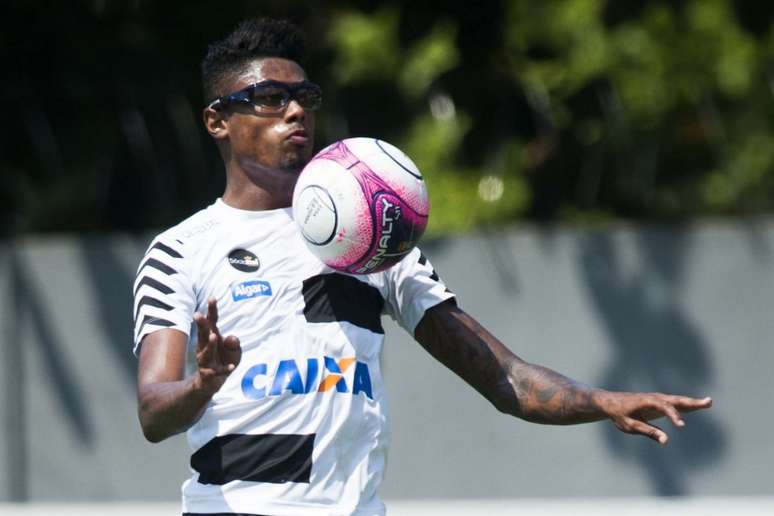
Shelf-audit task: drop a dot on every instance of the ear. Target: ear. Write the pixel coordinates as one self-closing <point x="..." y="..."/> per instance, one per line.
<point x="215" y="123"/>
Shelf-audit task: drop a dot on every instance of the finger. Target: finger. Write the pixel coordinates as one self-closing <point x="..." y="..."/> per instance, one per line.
<point x="202" y="331"/>
<point x="635" y="426"/>
<point x="231" y="351"/>
<point x="231" y="343"/>
<point x="687" y="404"/>
<point x="670" y="411"/>
<point x="206" y="356"/>
<point x="212" y="313"/>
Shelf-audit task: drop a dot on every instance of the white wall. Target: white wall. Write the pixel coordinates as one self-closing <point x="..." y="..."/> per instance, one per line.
<point x="676" y="309"/>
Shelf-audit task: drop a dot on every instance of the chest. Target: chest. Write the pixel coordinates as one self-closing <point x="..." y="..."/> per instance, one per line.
<point x="251" y="269"/>
<point x="264" y="277"/>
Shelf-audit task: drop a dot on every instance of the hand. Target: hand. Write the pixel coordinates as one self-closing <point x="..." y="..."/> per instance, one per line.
<point x="216" y="356"/>
<point x="631" y="411"/>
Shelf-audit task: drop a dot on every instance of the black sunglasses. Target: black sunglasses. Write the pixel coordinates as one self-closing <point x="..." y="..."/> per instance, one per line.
<point x="273" y="96"/>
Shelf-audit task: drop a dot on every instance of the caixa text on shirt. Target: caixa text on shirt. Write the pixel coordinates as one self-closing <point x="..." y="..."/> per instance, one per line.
<point x="323" y="375"/>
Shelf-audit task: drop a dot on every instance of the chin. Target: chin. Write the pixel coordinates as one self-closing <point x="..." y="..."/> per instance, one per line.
<point x="294" y="163"/>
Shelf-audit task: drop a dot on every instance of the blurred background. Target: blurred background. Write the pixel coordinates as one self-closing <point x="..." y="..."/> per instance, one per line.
<point x="601" y="175"/>
<point x="565" y="111"/>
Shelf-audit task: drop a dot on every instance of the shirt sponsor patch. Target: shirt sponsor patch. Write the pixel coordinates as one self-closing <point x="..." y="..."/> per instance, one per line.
<point x="249" y="289"/>
<point x="243" y="260"/>
<point x="345" y="375"/>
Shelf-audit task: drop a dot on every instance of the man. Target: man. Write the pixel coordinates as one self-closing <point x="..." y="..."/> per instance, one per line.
<point x="284" y="409"/>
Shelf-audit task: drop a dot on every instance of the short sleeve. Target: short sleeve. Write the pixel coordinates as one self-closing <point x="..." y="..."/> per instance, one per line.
<point x="163" y="294"/>
<point x="413" y="286"/>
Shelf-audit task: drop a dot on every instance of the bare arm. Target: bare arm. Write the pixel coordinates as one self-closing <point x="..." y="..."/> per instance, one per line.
<point x="533" y="392"/>
<point x="167" y="402"/>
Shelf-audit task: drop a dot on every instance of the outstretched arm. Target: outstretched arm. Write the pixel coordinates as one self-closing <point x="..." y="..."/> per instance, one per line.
<point x="533" y="392"/>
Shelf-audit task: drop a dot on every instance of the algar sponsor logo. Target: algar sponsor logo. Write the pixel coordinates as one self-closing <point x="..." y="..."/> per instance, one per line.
<point x="344" y="376"/>
<point x="252" y="288"/>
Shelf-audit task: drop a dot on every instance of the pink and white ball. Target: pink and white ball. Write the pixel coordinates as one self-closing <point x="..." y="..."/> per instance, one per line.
<point x="361" y="205"/>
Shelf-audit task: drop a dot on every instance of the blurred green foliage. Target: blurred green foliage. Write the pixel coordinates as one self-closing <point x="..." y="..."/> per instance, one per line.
<point x="568" y="110"/>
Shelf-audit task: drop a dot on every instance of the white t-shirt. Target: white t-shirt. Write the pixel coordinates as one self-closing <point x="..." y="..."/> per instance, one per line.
<point x="300" y="427"/>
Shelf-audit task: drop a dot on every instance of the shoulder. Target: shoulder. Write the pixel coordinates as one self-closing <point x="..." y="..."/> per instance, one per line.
<point x="171" y="250"/>
<point x="186" y="236"/>
<point x="414" y="262"/>
<point x="194" y="228"/>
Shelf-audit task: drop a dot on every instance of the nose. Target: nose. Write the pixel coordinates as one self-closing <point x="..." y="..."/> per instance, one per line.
<point x="294" y="112"/>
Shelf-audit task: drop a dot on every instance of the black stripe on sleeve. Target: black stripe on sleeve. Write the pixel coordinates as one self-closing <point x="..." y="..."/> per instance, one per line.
<point x="151" y="301"/>
<point x="165" y="248"/>
<point x="270" y="458"/>
<point x="147" y="280"/>
<point x="163" y="267"/>
<point x="336" y="297"/>
<point x="156" y="321"/>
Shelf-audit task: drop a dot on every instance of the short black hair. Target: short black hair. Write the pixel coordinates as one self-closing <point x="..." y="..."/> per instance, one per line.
<point x="251" y="39"/>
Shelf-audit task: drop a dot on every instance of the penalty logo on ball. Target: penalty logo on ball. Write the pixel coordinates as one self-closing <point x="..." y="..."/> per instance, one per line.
<point x="390" y="219"/>
<point x="361" y="205"/>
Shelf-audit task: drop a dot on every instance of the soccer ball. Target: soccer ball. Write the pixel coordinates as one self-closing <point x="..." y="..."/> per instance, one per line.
<point x="361" y="205"/>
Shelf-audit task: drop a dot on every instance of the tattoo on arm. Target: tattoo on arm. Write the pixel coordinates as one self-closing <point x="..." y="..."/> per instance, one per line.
<point x="513" y="386"/>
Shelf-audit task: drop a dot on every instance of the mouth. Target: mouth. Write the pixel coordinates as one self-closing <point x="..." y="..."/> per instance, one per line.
<point x="298" y="137"/>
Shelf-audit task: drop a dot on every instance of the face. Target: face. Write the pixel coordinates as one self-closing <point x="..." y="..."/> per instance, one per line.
<point x="258" y="141"/>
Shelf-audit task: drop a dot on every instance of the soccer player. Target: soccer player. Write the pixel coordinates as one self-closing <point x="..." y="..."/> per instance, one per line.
<point x="284" y="405"/>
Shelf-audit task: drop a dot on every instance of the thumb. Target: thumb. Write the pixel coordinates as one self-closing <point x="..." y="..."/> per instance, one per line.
<point x="231" y="343"/>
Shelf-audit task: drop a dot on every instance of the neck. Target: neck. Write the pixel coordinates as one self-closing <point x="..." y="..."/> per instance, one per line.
<point x="264" y="189"/>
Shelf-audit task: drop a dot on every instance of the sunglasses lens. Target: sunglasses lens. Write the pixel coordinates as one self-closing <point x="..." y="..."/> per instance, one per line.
<point x="309" y="97"/>
<point x="271" y="97"/>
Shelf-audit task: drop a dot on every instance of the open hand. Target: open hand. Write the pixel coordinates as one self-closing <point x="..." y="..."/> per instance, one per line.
<point x="632" y="412"/>
<point x="216" y="356"/>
